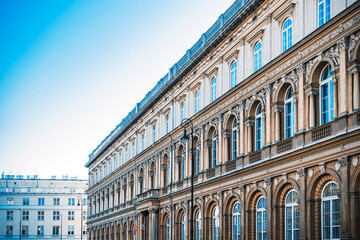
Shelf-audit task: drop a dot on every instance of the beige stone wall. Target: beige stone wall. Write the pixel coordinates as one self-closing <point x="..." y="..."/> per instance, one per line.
<point x="149" y="187"/>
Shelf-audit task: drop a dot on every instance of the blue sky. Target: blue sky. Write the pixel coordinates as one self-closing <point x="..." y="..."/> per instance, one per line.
<point x="71" y="70"/>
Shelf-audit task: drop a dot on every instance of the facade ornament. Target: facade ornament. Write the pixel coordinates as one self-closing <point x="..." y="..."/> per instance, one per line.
<point x="300" y="174"/>
<point x="255" y="186"/>
<point x="355" y="161"/>
<point x="285" y="177"/>
<point x="268" y="182"/>
<point x="295" y="78"/>
<point x="248" y="188"/>
<point x="352" y="43"/>
<point x="311" y="172"/>
<point x="341" y="163"/>
<point x="242" y="188"/>
<point x="342" y="44"/>
<point x="276" y="181"/>
<point x="334" y="54"/>
<point x="322" y="168"/>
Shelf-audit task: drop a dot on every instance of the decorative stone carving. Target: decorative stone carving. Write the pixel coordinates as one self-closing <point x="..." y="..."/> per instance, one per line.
<point x="285" y="177"/>
<point x="300" y="174"/>
<point x="267" y="182"/>
<point x="334" y="54"/>
<point x="322" y="168"/>
<point x="355" y="161"/>
<point x="276" y="181"/>
<point x="242" y="188"/>
<point x="255" y="185"/>
<point x="341" y="163"/>
<point x="352" y="43"/>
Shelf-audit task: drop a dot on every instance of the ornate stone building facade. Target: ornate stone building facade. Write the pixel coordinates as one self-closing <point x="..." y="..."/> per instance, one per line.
<point x="273" y="91"/>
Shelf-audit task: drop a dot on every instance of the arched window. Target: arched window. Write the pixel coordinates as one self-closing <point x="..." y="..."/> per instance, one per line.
<point x="198" y="226"/>
<point x="287" y="34"/>
<point x="154" y="133"/>
<point x="236" y="222"/>
<point x="257" y="56"/>
<point x="167" y="123"/>
<point x="197" y="106"/>
<point x="258" y="128"/>
<point x="215" y="223"/>
<point x="167" y="228"/>
<point x="233" y="74"/>
<point x="324" y="8"/>
<point x="182" y="111"/>
<point x="326" y="96"/>
<point x="292" y="216"/>
<point x="214" y="150"/>
<point x="234" y="139"/>
<point x="213" y="89"/>
<point x="183" y="224"/>
<point x="197" y="159"/>
<point x="261" y="219"/>
<point x="330" y="211"/>
<point x="289" y="113"/>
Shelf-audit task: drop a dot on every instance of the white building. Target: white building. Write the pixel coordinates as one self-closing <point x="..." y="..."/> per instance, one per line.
<point x="42" y="208"/>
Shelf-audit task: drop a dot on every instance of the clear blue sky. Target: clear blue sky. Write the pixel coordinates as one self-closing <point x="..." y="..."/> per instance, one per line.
<point x="71" y="70"/>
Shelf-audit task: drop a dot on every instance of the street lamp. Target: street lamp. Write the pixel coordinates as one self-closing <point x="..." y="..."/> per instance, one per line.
<point x="187" y="124"/>
<point x="81" y="203"/>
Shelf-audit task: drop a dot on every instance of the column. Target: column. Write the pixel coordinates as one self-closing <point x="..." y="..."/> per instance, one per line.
<point x="268" y="91"/>
<point x="249" y="137"/>
<point x="356" y="89"/>
<point x="219" y="142"/>
<point x="154" y="225"/>
<point x="311" y="113"/>
<point x="268" y="190"/>
<point x="344" y="171"/>
<point x="277" y="124"/>
<point x="241" y="131"/>
<point x="296" y="110"/>
<point x="300" y="113"/>
<point x="343" y="83"/>
<point x="302" y="203"/>
<point x="226" y="137"/>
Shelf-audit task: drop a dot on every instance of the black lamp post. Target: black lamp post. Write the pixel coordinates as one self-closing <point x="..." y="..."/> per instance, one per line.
<point x="187" y="124"/>
<point x="81" y="203"/>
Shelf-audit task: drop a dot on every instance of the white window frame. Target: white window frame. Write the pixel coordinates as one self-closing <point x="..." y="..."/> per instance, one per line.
<point x="291" y="205"/>
<point x="263" y="213"/>
<point x="234" y="140"/>
<point x="323" y="2"/>
<point x="236" y="222"/>
<point x="258" y="116"/>
<point x="331" y="200"/>
<point x="215" y="223"/>
<point x="182" y="111"/>
<point x="286" y="32"/>
<point x="233" y="74"/>
<point x="328" y="82"/>
<point x="198" y="225"/>
<point x="291" y="114"/>
<point x="257" y="56"/>
<point x="213" y="89"/>
<point x="183" y="227"/>
<point x="197" y="99"/>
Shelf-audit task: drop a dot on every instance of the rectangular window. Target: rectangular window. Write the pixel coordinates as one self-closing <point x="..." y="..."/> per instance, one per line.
<point x="71" y="201"/>
<point x="25" y="230"/>
<point x="70" y="230"/>
<point x="25" y="215"/>
<point x="40" y="230"/>
<point x="41" y="201"/>
<point x="26" y="201"/>
<point x="56" y="215"/>
<point x="41" y="215"/>
<point x="71" y="215"/>
<point x="56" y="201"/>
<point x="84" y="230"/>
<point x="9" y="230"/>
<point x="56" y="230"/>
<point x="9" y="215"/>
<point x="85" y="201"/>
<point x="10" y="201"/>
